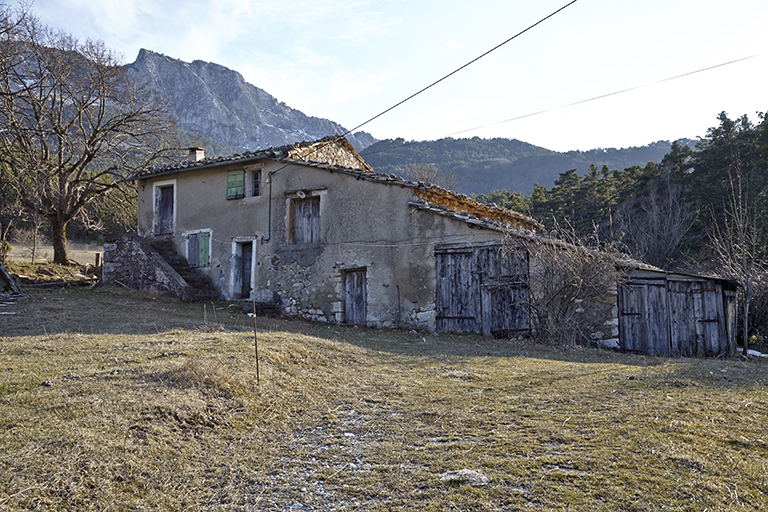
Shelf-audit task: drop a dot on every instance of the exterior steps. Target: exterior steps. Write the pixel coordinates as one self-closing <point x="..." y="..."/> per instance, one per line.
<point x="197" y="280"/>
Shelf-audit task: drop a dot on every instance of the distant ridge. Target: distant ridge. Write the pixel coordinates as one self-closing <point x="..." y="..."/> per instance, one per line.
<point x="485" y="165"/>
<point x="216" y="102"/>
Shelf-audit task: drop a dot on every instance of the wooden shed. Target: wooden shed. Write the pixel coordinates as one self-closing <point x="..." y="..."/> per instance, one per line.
<point x="669" y="314"/>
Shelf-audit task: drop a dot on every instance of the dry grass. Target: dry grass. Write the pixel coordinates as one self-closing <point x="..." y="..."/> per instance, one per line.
<point x="84" y="254"/>
<point x="152" y="404"/>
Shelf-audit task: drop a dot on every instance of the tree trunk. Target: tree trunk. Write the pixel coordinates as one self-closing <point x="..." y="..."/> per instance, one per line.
<point x="59" y="239"/>
<point x="746" y="327"/>
<point x="36" y="228"/>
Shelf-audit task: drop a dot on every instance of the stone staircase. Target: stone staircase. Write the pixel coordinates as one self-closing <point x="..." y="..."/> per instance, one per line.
<point x="200" y="283"/>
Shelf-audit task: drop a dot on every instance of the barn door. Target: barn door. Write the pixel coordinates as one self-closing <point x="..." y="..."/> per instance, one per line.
<point x="355" y="308"/>
<point x="644" y="318"/>
<point x="504" y="292"/>
<point x="457" y="301"/>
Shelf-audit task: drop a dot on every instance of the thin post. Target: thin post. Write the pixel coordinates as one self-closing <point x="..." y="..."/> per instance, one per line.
<point x="256" y="344"/>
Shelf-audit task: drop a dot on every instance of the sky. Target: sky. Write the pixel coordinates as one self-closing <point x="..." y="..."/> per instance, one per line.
<point x="350" y="60"/>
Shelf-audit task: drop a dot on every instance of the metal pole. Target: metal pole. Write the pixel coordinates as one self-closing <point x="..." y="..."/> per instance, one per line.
<point x="256" y="344"/>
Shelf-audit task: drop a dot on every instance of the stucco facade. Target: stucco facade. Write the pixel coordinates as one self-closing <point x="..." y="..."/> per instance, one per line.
<point x="324" y="241"/>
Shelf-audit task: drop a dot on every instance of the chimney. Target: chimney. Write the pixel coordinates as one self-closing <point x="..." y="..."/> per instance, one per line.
<point x="196" y="154"/>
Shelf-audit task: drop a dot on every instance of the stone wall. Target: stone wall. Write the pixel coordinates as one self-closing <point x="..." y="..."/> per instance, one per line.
<point x="131" y="262"/>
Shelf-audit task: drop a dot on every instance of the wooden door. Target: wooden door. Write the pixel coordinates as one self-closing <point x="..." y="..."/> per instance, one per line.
<point x="355" y="293"/>
<point x="458" y="299"/>
<point x="710" y="317"/>
<point x="245" y="269"/>
<point x="165" y="210"/>
<point x="644" y="318"/>
<point x="504" y="291"/>
<point x="684" y="337"/>
<point x="306" y="220"/>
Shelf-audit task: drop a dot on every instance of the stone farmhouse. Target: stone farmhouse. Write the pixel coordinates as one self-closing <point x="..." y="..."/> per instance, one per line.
<point x="312" y="231"/>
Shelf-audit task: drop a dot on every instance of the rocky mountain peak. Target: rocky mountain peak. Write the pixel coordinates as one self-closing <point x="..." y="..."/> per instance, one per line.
<point x="214" y="101"/>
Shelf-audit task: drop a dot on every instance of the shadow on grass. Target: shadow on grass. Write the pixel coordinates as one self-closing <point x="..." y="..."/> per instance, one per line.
<point x="106" y="310"/>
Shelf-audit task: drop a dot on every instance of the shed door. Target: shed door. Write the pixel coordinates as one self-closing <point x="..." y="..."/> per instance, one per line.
<point x="710" y="318"/>
<point x="457" y="300"/>
<point x="697" y="318"/>
<point x="355" y="309"/>
<point x="644" y="318"/>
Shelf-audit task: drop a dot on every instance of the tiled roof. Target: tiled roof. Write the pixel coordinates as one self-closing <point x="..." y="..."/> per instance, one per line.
<point x="445" y="202"/>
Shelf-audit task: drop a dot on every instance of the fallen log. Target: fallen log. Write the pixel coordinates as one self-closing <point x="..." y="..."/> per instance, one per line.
<point x="79" y="282"/>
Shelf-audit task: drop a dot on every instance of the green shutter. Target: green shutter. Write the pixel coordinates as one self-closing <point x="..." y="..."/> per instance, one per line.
<point x="236" y="184"/>
<point x="202" y="247"/>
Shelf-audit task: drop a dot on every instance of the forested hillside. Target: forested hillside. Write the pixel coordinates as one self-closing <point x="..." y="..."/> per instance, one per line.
<point x="481" y="165"/>
<point x="702" y="210"/>
<point x="687" y="190"/>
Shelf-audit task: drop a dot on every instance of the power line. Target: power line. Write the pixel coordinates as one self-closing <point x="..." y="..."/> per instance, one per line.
<point x="572" y="104"/>
<point x="604" y="95"/>
<point x="458" y="69"/>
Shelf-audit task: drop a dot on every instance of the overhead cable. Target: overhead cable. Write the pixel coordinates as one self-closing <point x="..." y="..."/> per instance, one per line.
<point x="604" y="95"/>
<point x="457" y="69"/>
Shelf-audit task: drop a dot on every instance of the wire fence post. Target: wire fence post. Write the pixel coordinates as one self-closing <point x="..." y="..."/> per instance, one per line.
<point x="256" y="344"/>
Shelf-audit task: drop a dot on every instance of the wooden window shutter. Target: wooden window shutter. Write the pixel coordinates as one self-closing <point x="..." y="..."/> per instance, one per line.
<point x="203" y="252"/>
<point x="236" y="184"/>
<point x="306" y="220"/>
<point x="198" y="249"/>
<point x="193" y="249"/>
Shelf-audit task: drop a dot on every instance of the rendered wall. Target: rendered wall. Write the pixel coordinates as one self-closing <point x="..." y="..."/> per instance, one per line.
<point x="363" y="224"/>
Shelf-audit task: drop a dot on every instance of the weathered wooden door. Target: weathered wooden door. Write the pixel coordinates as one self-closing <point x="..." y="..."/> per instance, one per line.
<point x="245" y="269"/>
<point x="355" y="293"/>
<point x="643" y="317"/>
<point x="483" y="290"/>
<point x="697" y="319"/>
<point x="503" y="291"/>
<point x="683" y="327"/>
<point x="458" y="298"/>
<point x="705" y="315"/>
<point x="165" y="210"/>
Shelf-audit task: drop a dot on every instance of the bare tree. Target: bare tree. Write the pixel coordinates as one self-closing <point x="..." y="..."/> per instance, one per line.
<point x="570" y="284"/>
<point x="738" y="243"/>
<point x="656" y="224"/>
<point x="430" y="173"/>
<point x="75" y="126"/>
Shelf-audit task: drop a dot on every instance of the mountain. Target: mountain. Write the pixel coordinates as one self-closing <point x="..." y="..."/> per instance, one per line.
<point x="485" y="165"/>
<point x="216" y="102"/>
<point x="225" y="114"/>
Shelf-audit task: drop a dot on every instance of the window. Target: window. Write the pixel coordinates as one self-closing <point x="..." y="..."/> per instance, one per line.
<point x="254" y="183"/>
<point x="236" y="184"/>
<point x="199" y="249"/>
<point x="304" y="220"/>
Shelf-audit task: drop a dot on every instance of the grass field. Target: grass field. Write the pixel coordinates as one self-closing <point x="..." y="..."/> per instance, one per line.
<point x="84" y="254"/>
<point x="113" y="401"/>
